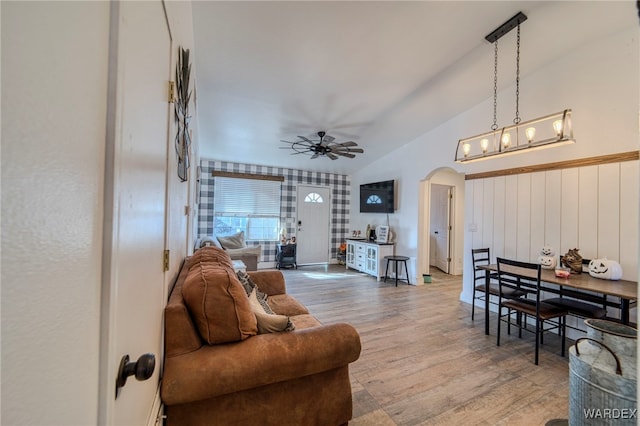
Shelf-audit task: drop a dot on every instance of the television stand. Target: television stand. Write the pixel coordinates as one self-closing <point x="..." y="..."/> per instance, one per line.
<point x="368" y="256"/>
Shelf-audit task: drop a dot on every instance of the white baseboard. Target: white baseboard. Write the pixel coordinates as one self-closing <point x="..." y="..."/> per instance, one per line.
<point x="156" y="416"/>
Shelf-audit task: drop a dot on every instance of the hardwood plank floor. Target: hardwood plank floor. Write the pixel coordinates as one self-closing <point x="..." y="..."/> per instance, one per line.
<point x="424" y="362"/>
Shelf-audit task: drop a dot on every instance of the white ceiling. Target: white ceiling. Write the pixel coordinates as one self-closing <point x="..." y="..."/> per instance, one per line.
<point x="378" y="73"/>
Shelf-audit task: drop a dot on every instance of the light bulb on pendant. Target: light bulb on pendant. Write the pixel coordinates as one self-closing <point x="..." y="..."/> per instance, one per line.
<point x="557" y="126"/>
<point x="531" y="133"/>
<point x="484" y="144"/>
<point x="506" y="140"/>
<point x="465" y="149"/>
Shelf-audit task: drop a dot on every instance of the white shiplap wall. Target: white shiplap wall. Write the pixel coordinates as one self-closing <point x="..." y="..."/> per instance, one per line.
<point x="593" y="208"/>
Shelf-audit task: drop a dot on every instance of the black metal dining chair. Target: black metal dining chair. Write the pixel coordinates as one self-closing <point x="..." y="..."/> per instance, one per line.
<point x="535" y="307"/>
<point x="479" y="257"/>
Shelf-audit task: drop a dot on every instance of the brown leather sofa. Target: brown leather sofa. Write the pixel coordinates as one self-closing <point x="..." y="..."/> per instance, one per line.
<point x="284" y="378"/>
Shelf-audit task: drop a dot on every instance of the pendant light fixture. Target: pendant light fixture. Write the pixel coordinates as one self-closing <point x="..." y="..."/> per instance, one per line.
<point x="544" y="132"/>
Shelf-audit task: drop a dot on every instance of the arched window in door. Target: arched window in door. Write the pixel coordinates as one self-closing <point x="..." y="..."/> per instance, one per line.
<point x="374" y="199"/>
<point x="313" y="197"/>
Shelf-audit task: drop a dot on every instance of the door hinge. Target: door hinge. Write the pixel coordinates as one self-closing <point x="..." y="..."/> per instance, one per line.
<point x="187" y="210"/>
<point x="448" y="259"/>
<point x="172" y="92"/>
<point x="165" y="261"/>
<point x="450" y="227"/>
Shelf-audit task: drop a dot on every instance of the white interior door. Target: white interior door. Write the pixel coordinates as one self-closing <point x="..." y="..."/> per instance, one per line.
<point x="439" y="232"/>
<point x="136" y="221"/>
<point x="314" y="209"/>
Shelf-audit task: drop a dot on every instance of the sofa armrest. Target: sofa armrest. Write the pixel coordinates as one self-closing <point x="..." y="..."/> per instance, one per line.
<point x="270" y="282"/>
<point x="258" y="361"/>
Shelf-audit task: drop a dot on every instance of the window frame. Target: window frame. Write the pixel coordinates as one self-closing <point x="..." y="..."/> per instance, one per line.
<point x="247" y="206"/>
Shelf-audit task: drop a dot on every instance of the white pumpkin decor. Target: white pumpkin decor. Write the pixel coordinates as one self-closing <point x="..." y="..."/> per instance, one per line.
<point x="547" y="251"/>
<point x="605" y="269"/>
<point x="548" y="262"/>
<point x="548" y="258"/>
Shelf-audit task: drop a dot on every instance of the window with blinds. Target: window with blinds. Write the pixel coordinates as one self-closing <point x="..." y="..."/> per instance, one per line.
<point x="247" y="204"/>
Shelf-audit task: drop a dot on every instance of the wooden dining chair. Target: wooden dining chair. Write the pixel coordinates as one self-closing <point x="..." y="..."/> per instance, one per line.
<point x="479" y="257"/>
<point x="534" y="307"/>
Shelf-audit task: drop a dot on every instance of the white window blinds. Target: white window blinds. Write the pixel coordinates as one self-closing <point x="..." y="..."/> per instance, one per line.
<point x="247" y="204"/>
<point x="246" y="196"/>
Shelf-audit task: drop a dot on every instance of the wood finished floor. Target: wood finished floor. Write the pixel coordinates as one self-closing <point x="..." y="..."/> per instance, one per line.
<point x="424" y="362"/>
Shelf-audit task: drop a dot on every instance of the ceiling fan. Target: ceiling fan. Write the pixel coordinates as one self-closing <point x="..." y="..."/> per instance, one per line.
<point x="323" y="147"/>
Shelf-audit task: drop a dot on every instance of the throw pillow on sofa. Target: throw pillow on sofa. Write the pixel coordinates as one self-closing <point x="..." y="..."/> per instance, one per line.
<point x="250" y="286"/>
<point x="235" y="241"/>
<point x="268" y="322"/>
<point x="246" y="282"/>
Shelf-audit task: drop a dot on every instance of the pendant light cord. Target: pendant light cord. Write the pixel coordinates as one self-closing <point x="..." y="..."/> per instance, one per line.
<point x="495" y="86"/>
<point x="517" y="119"/>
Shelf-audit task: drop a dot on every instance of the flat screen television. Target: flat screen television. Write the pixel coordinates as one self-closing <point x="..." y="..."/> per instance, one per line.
<point x="377" y="197"/>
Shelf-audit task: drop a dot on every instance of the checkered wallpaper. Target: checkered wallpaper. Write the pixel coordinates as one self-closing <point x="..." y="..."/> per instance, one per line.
<point x="340" y="195"/>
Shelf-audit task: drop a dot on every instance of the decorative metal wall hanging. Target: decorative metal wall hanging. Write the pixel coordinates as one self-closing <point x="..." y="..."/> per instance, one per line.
<point x="181" y="106"/>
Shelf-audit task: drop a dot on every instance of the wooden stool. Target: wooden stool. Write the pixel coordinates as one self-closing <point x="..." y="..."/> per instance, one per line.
<point x="396" y="260"/>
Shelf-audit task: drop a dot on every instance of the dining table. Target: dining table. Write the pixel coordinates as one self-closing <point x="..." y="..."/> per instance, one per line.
<point x="626" y="291"/>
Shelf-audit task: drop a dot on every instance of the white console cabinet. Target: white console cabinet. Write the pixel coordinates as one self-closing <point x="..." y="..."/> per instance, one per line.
<point x="368" y="257"/>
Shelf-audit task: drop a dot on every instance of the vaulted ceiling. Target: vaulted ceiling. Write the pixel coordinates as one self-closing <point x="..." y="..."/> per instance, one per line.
<point x="378" y="73"/>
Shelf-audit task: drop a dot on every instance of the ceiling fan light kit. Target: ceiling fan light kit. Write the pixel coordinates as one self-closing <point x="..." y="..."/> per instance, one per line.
<point x="324" y="147"/>
<point x="544" y="132"/>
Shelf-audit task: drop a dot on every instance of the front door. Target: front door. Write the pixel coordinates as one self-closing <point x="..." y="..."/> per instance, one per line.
<point x="312" y="230"/>
<point x="439" y="235"/>
<point x="135" y="223"/>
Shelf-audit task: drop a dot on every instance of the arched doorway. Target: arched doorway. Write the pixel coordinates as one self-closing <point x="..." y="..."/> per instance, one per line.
<point x="438" y="182"/>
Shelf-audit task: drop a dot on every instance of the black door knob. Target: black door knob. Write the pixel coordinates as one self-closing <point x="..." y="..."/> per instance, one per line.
<point x="142" y="369"/>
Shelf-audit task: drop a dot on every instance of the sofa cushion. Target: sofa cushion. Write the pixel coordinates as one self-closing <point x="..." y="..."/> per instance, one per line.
<point x="218" y="304"/>
<point x="284" y="304"/>
<point x="270" y="281"/>
<point x="235" y="241"/>
<point x="300" y="322"/>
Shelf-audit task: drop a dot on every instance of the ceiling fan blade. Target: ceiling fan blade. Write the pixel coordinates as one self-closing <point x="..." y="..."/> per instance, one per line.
<point x="306" y="139"/>
<point x="343" y="149"/>
<point x="316" y="155"/>
<point x="332" y="156"/>
<point x="345" y="154"/>
<point x="348" y="143"/>
<point x="329" y="139"/>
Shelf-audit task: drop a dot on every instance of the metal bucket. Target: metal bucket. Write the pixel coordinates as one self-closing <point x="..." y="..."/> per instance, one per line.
<point x="603" y="375"/>
<point x="622" y="339"/>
